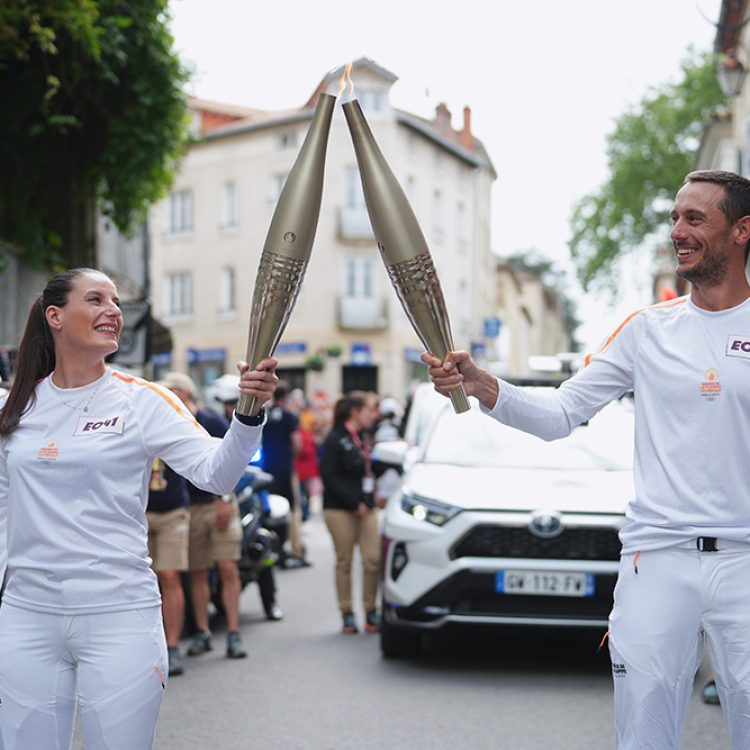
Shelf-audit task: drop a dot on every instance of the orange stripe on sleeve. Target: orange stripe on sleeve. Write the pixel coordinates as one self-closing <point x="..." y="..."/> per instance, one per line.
<point x="151" y="386"/>
<point x="615" y="333"/>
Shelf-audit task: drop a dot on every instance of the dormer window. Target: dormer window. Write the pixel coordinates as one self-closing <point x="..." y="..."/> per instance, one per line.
<point x="288" y="139"/>
<point x="372" y="101"/>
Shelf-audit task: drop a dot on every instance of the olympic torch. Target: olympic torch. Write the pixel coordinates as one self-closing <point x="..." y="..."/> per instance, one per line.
<point x="402" y="245"/>
<point x="289" y="241"/>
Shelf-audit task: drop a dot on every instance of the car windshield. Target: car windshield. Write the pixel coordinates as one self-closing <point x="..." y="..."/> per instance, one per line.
<point x="473" y="439"/>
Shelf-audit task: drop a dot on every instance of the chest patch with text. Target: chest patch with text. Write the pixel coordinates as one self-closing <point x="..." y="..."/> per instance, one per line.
<point x="738" y="346"/>
<point x="98" y="425"/>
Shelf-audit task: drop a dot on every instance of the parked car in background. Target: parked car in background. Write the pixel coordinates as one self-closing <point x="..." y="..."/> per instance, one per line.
<point x="491" y="526"/>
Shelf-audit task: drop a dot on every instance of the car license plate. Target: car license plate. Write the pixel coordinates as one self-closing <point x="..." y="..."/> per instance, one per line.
<point x="544" y="583"/>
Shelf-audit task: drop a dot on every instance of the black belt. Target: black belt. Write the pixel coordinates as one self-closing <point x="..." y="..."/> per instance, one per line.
<point x="706" y="543"/>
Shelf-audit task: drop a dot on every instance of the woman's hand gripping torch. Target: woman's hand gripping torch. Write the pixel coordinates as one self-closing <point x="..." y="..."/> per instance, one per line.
<point x="402" y="245"/>
<point x="289" y="241"/>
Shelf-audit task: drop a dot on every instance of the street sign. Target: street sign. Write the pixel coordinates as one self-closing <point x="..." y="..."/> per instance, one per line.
<point x="492" y="327"/>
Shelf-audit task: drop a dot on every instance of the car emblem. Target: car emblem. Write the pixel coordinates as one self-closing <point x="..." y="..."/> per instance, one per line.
<point x="546" y="524"/>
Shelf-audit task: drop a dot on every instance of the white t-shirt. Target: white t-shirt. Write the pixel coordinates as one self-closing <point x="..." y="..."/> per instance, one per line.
<point x="690" y="372"/>
<point x="74" y="487"/>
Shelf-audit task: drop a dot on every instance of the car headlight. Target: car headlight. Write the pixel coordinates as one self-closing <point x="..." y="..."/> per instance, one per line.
<point x="428" y="510"/>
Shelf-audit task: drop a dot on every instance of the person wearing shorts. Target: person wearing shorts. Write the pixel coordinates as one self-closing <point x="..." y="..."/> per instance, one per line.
<point x="168" y="517"/>
<point x="215" y="538"/>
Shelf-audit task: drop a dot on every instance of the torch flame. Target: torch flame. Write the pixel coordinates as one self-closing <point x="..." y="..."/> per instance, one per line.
<point x="346" y="79"/>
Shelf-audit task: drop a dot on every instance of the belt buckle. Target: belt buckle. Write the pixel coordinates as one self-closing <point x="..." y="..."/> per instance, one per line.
<point x="706" y="544"/>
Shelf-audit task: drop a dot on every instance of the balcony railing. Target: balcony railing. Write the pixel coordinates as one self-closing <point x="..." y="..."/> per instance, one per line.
<point x="354" y="224"/>
<point x="363" y="313"/>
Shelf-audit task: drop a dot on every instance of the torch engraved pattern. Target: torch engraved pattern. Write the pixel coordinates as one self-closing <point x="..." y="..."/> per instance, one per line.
<point x="277" y="287"/>
<point x="279" y="283"/>
<point x="418" y="288"/>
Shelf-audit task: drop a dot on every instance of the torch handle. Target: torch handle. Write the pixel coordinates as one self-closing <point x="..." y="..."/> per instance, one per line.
<point x="460" y="401"/>
<point x="246" y="404"/>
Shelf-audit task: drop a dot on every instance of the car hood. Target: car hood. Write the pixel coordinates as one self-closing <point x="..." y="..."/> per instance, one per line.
<point x="522" y="489"/>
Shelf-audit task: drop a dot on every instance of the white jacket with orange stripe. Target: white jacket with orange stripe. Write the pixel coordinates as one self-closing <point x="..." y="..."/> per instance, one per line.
<point x="74" y="486"/>
<point x="690" y="372"/>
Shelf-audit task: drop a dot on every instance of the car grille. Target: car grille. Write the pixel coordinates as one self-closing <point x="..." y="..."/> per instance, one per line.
<point x="509" y="541"/>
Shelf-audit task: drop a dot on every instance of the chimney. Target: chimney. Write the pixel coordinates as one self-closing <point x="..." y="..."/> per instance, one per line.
<point x="467" y="139"/>
<point x="443" y="118"/>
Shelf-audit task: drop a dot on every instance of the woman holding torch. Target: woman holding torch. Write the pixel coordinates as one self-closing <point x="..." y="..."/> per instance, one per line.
<point x="80" y="620"/>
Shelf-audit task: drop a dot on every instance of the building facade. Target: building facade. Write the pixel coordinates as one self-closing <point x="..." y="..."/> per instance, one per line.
<point x="348" y="329"/>
<point x="531" y="322"/>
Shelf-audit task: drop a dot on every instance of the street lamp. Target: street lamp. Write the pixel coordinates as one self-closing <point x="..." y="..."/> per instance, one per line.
<point x="731" y="75"/>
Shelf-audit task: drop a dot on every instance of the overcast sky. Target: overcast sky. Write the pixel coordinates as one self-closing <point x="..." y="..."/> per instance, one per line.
<point x="545" y="80"/>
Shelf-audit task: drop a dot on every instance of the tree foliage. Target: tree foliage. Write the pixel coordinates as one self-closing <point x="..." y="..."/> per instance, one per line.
<point x="94" y="114"/>
<point x="649" y="153"/>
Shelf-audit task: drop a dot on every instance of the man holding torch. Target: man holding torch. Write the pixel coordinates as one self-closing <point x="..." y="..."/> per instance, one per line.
<point x="686" y="544"/>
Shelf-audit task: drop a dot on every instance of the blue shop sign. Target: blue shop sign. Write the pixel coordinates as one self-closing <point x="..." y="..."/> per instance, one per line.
<point x="412" y="354"/>
<point x="291" y="347"/>
<point x="478" y="349"/>
<point x="492" y="327"/>
<point x="361" y="355"/>
<point x="195" y="356"/>
<point x="163" y="358"/>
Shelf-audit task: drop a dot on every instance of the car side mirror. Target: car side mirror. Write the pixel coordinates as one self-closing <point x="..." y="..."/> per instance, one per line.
<point x="391" y="453"/>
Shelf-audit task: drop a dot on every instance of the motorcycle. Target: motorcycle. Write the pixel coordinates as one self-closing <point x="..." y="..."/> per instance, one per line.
<point x="265" y="522"/>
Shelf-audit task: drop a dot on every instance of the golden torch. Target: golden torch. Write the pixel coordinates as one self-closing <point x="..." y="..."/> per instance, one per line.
<point x="402" y="245"/>
<point x="289" y="241"/>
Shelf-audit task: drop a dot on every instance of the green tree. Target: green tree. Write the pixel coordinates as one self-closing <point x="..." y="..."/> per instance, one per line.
<point x="554" y="278"/>
<point x="94" y="115"/>
<point x="650" y="151"/>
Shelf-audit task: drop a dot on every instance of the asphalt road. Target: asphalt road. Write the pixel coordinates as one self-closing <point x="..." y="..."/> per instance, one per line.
<point x="305" y="686"/>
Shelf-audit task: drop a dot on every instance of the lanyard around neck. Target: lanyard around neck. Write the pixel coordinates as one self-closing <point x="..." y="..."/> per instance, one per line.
<point x="361" y="446"/>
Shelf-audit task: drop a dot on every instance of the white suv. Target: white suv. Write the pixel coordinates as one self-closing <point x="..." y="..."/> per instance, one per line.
<point x="494" y="526"/>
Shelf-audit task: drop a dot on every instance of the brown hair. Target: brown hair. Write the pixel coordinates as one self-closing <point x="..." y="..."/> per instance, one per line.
<point x="36" y="353"/>
<point x="347" y="404"/>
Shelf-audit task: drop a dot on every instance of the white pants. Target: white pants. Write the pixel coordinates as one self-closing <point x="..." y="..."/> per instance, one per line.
<point x="113" y="665"/>
<point x="662" y="614"/>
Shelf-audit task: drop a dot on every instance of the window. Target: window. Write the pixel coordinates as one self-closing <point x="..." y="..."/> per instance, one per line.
<point x="360" y="278"/>
<point x="437" y="213"/>
<point x="229" y="205"/>
<point x="371" y="101"/>
<point x="180" y="212"/>
<point x="411" y="189"/>
<point x="461" y="229"/>
<point x="354" y="196"/>
<point x="227" y="301"/>
<point x="288" y="139"/>
<point x="178" y="294"/>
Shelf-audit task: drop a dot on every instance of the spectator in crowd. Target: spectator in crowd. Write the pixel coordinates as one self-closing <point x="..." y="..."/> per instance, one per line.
<point x="225" y="394"/>
<point x="168" y="516"/>
<point x="215" y="538"/>
<point x="349" y="504"/>
<point x="306" y="463"/>
<point x="281" y="445"/>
